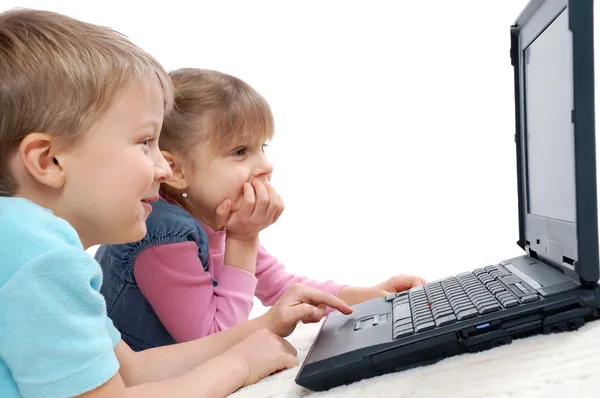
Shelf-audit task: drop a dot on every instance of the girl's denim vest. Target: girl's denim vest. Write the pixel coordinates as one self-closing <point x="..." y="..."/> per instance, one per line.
<point x="129" y="310"/>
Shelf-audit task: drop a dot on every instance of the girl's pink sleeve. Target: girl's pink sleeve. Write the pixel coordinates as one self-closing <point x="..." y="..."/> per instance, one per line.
<point x="274" y="280"/>
<point x="174" y="282"/>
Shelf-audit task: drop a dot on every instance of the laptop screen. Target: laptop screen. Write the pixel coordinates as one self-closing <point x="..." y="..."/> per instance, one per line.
<point x="552" y="53"/>
<point x="549" y="130"/>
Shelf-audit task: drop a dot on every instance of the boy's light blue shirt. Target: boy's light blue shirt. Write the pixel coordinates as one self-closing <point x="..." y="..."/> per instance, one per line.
<point x="55" y="337"/>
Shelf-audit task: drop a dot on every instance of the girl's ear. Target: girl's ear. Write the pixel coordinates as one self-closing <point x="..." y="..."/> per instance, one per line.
<point x="177" y="179"/>
<point x="38" y="154"/>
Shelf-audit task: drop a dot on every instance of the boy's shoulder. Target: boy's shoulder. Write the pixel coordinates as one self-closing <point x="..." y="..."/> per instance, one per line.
<point x="50" y="307"/>
<point x="27" y="231"/>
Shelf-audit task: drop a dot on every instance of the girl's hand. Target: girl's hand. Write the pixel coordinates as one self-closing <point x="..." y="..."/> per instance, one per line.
<point x="260" y="207"/>
<point x="399" y="283"/>
<point x="300" y="303"/>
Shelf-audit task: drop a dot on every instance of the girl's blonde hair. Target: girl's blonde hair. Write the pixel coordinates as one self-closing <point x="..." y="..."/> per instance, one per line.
<point x="212" y="108"/>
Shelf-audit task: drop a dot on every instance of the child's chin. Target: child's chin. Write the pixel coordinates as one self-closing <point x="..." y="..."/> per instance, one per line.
<point x="140" y="232"/>
<point x="136" y="233"/>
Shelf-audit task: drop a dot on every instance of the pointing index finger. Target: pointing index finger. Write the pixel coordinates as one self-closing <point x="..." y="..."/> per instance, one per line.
<point x="317" y="297"/>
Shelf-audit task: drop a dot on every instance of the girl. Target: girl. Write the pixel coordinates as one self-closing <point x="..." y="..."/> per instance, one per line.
<point x="200" y="264"/>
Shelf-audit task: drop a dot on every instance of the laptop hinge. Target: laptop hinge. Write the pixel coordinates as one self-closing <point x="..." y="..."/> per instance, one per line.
<point x="529" y="251"/>
<point x="567" y="263"/>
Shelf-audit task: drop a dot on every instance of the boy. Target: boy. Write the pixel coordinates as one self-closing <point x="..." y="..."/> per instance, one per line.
<point x="81" y="110"/>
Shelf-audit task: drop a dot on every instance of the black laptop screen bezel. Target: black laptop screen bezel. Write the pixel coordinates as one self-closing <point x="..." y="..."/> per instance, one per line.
<point x="571" y="247"/>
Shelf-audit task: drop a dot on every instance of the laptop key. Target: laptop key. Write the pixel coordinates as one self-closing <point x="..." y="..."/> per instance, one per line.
<point x="440" y="307"/>
<point x="399" y="302"/>
<point x="442" y="314"/>
<point x="461" y="300"/>
<point x="466" y="314"/>
<point x="402" y="322"/>
<point x="390" y="297"/>
<point x="529" y="298"/>
<point x="481" y="292"/>
<point x="463" y="307"/>
<point x="487" y="303"/>
<point x="420" y="312"/>
<point x="422" y="327"/>
<point x="445" y="320"/>
<point x="422" y="318"/>
<point x="489" y="308"/>
<point x="510" y="302"/>
<point x="495" y="288"/>
<point x="402" y="332"/>
<point x="401" y="311"/>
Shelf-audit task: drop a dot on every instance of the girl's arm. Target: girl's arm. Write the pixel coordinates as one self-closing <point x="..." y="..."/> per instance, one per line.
<point x="174" y="282"/>
<point x="241" y="254"/>
<point x="274" y="280"/>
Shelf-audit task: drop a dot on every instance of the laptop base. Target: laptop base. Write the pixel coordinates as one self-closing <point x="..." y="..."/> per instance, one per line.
<point x="362" y="345"/>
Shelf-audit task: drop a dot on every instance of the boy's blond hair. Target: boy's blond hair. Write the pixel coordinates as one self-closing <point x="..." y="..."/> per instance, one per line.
<point x="212" y="108"/>
<point x="59" y="75"/>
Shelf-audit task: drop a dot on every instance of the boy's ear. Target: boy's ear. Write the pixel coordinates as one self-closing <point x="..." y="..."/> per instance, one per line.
<point x="177" y="179"/>
<point x="38" y="154"/>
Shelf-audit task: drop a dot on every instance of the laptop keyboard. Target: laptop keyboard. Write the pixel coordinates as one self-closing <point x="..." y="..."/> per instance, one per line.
<point x="453" y="299"/>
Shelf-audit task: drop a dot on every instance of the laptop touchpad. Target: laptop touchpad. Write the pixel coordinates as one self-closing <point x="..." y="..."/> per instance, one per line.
<point x="375" y="320"/>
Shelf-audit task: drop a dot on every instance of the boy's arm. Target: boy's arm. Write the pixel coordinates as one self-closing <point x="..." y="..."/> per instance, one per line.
<point x="254" y="358"/>
<point x="174" y="282"/>
<point x="222" y="377"/>
<point x="173" y="360"/>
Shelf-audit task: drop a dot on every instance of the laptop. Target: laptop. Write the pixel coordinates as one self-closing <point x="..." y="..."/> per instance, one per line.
<point x="553" y="286"/>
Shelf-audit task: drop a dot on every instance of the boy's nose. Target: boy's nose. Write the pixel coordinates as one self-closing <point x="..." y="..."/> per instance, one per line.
<point x="162" y="170"/>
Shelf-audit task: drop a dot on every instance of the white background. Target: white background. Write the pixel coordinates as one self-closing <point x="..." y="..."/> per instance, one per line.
<point x="394" y="148"/>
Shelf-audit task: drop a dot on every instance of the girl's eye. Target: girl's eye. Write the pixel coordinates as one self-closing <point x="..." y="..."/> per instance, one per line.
<point x="148" y="141"/>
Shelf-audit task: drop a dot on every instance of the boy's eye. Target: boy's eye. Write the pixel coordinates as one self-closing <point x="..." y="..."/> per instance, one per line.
<point x="240" y="151"/>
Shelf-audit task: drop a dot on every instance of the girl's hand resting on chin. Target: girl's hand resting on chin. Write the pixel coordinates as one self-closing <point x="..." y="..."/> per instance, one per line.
<point x="259" y="207"/>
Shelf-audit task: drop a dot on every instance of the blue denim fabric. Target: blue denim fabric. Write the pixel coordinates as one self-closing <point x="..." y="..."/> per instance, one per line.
<point x="129" y="310"/>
